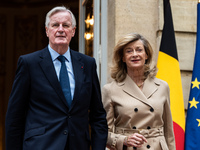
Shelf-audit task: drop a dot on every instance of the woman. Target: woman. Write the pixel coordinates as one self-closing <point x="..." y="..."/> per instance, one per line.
<point x="137" y="103"/>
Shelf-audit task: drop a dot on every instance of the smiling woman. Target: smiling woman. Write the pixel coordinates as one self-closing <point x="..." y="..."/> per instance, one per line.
<point x="135" y="57"/>
<point x="133" y="98"/>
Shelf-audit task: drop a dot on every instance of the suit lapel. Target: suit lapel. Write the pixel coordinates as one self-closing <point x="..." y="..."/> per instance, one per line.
<point x="50" y="73"/>
<point x="78" y="67"/>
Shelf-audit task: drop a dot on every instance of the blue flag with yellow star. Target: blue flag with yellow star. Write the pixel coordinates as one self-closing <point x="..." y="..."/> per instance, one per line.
<point x="192" y="133"/>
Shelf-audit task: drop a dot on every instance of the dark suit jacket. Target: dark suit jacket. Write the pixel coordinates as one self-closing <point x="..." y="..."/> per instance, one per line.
<point x="38" y="117"/>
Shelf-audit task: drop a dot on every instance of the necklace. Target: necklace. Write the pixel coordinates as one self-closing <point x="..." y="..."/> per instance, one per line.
<point x="140" y="85"/>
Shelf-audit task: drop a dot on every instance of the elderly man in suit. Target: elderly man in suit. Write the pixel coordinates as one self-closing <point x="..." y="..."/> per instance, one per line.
<point x="56" y="95"/>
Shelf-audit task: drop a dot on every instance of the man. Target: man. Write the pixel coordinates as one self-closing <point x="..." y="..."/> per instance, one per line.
<point x="41" y="115"/>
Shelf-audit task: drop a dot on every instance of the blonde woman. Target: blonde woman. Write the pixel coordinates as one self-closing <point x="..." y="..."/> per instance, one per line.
<point x="137" y="103"/>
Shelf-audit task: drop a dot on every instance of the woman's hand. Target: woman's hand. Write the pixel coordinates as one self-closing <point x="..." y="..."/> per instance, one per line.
<point x="135" y="140"/>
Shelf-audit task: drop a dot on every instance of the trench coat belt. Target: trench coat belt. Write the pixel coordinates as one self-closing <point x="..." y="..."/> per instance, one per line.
<point x="153" y="132"/>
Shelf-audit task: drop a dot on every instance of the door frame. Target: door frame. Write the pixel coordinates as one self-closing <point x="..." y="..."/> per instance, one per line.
<point x="100" y="35"/>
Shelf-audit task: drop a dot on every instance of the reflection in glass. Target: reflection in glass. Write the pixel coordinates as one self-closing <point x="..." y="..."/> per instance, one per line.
<point x="89" y="21"/>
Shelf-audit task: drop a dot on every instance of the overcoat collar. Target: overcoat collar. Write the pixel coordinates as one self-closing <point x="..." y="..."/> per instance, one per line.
<point x="149" y="88"/>
<point x="50" y="73"/>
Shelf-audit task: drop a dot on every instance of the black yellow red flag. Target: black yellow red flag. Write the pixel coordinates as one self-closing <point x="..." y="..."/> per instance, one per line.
<point x="169" y="70"/>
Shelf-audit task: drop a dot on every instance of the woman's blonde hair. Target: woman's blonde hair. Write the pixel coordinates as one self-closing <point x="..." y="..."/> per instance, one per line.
<point x="119" y="68"/>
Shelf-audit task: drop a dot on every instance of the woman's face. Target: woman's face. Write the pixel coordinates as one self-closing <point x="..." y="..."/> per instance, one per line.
<point x="134" y="55"/>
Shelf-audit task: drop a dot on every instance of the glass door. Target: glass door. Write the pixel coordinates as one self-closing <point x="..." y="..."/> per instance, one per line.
<point x="93" y="33"/>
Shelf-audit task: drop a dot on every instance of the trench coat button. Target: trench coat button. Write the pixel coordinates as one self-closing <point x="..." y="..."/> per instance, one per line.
<point x="136" y="109"/>
<point x="148" y="127"/>
<point x="65" y="132"/>
<point x="148" y="146"/>
<point x="152" y="110"/>
<point x="134" y="127"/>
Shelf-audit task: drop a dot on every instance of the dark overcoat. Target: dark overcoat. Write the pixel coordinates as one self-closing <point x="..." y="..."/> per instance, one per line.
<point x="38" y="117"/>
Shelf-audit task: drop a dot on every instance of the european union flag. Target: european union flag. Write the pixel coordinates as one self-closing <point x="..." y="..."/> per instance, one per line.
<point x="192" y="133"/>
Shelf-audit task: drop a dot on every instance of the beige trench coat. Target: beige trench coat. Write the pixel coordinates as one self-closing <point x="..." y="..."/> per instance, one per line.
<point x="131" y="110"/>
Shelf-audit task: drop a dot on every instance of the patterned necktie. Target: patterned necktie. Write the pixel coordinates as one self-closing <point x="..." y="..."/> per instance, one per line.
<point x="64" y="80"/>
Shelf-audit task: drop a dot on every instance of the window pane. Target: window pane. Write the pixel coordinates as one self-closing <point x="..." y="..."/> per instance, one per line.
<point x="89" y="22"/>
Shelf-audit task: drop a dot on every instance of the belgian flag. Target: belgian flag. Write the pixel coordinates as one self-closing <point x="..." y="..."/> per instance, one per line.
<point x="169" y="71"/>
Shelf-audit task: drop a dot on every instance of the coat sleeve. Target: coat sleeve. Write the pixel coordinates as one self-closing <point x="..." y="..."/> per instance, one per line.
<point x="168" y="123"/>
<point x="115" y="141"/>
<point x="97" y="115"/>
<point x="17" y="105"/>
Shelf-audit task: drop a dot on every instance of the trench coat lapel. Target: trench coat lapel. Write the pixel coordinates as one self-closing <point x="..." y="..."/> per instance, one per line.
<point x="150" y="86"/>
<point x="50" y="73"/>
<point x="129" y="86"/>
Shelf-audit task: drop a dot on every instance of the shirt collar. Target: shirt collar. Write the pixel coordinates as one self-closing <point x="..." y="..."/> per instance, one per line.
<point x="54" y="54"/>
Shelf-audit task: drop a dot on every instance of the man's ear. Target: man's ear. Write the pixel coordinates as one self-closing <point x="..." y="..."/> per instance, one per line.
<point x="73" y="31"/>
<point x="47" y="31"/>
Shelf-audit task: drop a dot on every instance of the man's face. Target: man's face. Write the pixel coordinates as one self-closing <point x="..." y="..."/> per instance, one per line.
<point x="60" y="30"/>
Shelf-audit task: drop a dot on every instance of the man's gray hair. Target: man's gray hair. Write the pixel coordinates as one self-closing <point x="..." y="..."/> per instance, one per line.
<point x="59" y="9"/>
